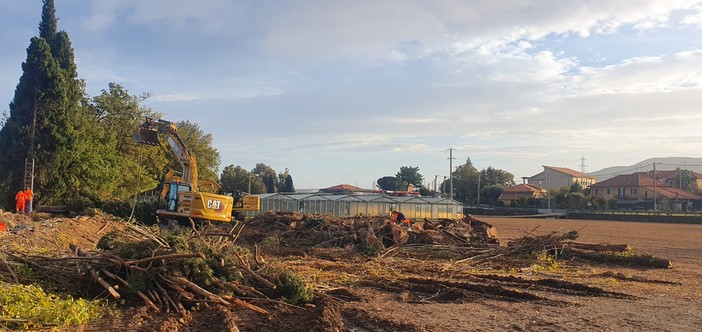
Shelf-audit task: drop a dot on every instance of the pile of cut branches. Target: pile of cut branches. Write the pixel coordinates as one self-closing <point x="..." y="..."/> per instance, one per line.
<point x="558" y="245"/>
<point x="166" y="269"/>
<point x="296" y="229"/>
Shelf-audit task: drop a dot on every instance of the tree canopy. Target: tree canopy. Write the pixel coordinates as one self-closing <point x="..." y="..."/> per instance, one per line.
<point x="389" y="183"/>
<point x="50" y="123"/>
<point x="235" y="178"/>
<point x="409" y="175"/>
<point x="467" y="178"/>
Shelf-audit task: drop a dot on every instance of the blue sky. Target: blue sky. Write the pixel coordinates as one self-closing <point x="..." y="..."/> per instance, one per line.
<point x="350" y="91"/>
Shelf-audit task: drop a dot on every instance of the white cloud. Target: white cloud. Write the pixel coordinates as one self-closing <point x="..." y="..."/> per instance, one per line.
<point x="642" y="75"/>
<point x="205" y="16"/>
<point x="694" y="18"/>
<point x="371" y="29"/>
<point x="232" y="89"/>
<point x="103" y="14"/>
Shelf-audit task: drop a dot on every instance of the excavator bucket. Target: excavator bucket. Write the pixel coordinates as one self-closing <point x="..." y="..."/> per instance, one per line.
<point x="146" y="135"/>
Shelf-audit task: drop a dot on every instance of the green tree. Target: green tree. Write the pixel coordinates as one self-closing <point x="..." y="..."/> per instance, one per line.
<point x="201" y="146"/>
<point x="611" y="204"/>
<point x="289" y="186"/>
<point x="269" y="183"/>
<point x="493" y="176"/>
<point x="575" y="200"/>
<point x="49" y="23"/>
<point x="267" y="175"/>
<point x="120" y="114"/>
<point x="235" y="178"/>
<point x="409" y="175"/>
<point x="389" y="183"/>
<point x="465" y="182"/>
<point x="576" y="187"/>
<point x="49" y="123"/>
<point x="491" y="194"/>
<point x="601" y="203"/>
<point x="685" y="180"/>
<point x="284" y="182"/>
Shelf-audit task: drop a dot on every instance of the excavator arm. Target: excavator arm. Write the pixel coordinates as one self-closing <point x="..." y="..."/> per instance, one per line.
<point x="149" y="132"/>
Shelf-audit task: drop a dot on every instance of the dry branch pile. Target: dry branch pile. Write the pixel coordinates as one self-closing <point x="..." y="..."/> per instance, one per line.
<point x="295" y="229"/>
<point x="168" y="270"/>
<point x="563" y="246"/>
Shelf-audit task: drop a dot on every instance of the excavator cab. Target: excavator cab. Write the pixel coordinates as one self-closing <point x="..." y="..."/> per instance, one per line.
<point x="172" y="195"/>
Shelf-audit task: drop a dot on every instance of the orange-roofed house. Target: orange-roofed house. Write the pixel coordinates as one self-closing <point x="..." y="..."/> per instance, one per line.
<point x="346" y="189"/>
<point x="554" y="178"/>
<point x="511" y="195"/>
<point x="641" y="188"/>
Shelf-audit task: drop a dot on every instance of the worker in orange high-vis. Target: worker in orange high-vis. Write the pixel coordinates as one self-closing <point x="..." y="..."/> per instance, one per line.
<point x="28" y="200"/>
<point x="20" y="198"/>
<point x="399" y="218"/>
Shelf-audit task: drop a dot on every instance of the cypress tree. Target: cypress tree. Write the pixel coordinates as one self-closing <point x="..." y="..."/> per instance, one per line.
<point x="289" y="187"/>
<point x="48" y="27"/>
<point x="49" y="122"/>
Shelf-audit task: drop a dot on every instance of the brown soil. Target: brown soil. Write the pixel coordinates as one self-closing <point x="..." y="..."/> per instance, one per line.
<point x="413" y="291"/>
<point x="498" y="295"/>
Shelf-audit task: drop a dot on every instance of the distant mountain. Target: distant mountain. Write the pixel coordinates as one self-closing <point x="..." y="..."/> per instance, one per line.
<point x="662" y="164"/>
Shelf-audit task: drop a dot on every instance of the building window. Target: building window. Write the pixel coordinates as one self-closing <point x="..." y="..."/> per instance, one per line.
<point x="609" y="191"/>
<point x="597" y="191"/>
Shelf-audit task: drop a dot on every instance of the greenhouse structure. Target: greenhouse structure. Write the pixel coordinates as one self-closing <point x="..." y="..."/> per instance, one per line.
<point x="413" y="207"/>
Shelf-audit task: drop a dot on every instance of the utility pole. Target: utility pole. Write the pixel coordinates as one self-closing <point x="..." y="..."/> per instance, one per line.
<point x="655" y="203"/>
<point x="435" y="179"/>
<point x="582" y="164"/>
<point x="548" y="194"/>
<point x="249" y="183"/>
<point x="451" y="158"/>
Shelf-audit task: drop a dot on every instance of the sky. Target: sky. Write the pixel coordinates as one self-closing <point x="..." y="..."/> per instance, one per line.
<point x="347" y="92"/>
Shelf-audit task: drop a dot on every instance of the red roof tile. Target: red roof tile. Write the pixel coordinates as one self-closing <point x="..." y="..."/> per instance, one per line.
<point x="524" y="187"/>
<point x="639" y="179"/>
<point x="343" y="187"/>
<point x="570" y="172"/>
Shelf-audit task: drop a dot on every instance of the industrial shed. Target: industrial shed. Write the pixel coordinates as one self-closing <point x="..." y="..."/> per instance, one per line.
<point x="350" y="205"/>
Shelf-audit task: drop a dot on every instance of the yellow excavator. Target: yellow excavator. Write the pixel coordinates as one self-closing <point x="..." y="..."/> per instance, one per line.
<point x="187" y="196"/>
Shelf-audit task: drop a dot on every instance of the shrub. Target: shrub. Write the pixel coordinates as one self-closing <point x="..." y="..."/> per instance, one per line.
<point x="29" y="307"/>
<point x="289" y="286"/>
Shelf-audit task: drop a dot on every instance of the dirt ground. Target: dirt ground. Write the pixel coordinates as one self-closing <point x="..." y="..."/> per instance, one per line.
<point x="422" y="289"/>
<point x="438" y="295"/>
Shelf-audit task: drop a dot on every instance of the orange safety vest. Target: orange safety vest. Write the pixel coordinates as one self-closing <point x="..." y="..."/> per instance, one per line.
<point x="28" y="194"/>
<point x="20" y="197"/>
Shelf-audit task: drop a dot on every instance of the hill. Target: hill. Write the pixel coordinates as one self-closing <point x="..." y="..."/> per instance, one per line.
<point x="662" y="164"/>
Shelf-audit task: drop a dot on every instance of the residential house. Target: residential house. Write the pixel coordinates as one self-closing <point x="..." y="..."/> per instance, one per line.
<point x="346" y="189"/>
<point x="554" y="178"/>
<point x="639" y="189"/>
<point x="512" y="194"/>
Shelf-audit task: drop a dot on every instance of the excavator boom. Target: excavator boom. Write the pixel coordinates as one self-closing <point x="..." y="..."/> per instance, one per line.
<point x="181" y="194"/>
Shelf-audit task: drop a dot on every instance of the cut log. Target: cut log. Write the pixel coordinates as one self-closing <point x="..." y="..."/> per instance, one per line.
<point x="600" y="247"/>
